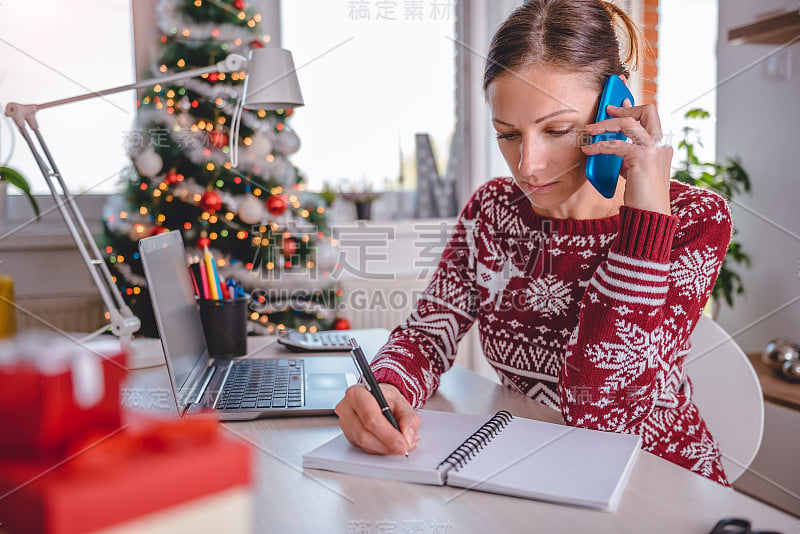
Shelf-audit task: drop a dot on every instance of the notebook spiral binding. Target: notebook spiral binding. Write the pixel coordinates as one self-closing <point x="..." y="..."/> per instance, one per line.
<point x="477" y="441"/>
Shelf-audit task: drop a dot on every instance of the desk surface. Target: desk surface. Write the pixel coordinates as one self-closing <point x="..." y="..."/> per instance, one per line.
<point x="659" y="497"/>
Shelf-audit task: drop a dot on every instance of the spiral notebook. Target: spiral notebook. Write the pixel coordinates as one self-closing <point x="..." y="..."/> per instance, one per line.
<point x="500" y="454"/>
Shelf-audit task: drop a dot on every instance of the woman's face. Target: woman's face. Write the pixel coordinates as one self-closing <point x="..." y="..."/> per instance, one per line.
<point x="539" y="114"/>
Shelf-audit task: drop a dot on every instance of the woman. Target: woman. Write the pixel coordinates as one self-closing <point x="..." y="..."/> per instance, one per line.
<point x="583" y="303"/>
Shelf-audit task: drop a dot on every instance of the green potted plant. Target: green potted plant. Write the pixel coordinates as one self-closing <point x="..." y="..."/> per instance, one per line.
<point x="13" y="177"/>
<point x="729" y="179"/>
<point x="328" y="194"/>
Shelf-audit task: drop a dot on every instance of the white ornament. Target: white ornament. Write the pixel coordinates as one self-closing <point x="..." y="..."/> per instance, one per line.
<point x="148" y="163"/>
<point x="276" y="168"/>
<point x="229" y="200"/>
<point x="251" y="210"/>
<point x="260" y="147"/>
<point x="287" y="143"/>
<point x="325" y="255"/>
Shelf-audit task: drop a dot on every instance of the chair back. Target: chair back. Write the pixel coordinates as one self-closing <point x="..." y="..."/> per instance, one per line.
<point x="727" y="392"/>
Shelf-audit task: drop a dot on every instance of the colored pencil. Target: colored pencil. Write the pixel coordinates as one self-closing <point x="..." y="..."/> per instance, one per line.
<point x="204" y="280"/>
<point x="194" y="282"/>
<point x="213" y="284"/>
<point x="224" y="289"/>
<point x="217" y="279"/>
<point x="194" y="265"/>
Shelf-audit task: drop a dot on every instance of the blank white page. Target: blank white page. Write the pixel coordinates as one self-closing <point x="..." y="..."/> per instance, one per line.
<point x="440" y="434"/>
<point x="551" y="462"/>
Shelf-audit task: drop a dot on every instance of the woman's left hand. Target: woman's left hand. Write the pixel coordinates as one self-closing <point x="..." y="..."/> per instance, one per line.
<point x="646" y="159"/>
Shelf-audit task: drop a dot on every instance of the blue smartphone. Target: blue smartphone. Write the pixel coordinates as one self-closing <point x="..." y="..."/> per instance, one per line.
<point x="602" y="170"/>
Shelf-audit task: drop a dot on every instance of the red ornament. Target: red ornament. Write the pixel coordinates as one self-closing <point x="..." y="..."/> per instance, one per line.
<point x="341" y="324"/>
<point x="276" y="205"/>
<point x="211" y="201"/>
<point x="203" y="242"/>
<point x="172" y="177"/>
<point x="288" y="112"/>
<point x="158" y="230"/>
<point x="217" y="139"/>
<point x="256" y="44"/>
<point x="238" y="4"/>
<point x="213" y="77"/>
<point x="289" y="247"/>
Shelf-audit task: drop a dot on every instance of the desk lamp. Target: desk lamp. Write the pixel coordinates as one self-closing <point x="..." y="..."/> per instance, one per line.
<point x="271" y="83"/>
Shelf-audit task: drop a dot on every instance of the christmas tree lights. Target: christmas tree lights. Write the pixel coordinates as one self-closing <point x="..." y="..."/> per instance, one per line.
<point x="265" y="229"/>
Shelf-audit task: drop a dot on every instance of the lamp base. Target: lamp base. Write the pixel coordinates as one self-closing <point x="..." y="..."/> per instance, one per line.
<point x="146" y="352"/>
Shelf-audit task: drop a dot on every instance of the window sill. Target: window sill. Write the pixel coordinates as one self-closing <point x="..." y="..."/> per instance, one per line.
<point x="35" y="237"/>
<point x="19" y="230"/>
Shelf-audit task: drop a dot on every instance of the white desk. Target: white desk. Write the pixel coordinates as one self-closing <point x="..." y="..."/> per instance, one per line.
<point x="660" y="496"/>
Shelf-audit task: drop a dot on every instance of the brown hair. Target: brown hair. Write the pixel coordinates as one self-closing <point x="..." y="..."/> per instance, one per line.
<point x="575" y="35"/>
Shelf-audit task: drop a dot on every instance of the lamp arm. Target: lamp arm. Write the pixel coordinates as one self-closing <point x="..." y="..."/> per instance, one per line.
<point x="27" y="112"/>
<point x="123" y="322"/>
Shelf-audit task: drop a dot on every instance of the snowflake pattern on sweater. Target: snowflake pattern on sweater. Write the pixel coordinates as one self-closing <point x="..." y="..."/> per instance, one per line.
<point x="591" y="317"/>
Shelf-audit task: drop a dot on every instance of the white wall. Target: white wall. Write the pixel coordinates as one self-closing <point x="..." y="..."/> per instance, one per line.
<point x="758" y="119"/>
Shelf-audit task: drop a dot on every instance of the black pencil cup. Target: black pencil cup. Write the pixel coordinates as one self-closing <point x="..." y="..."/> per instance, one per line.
<point x="225" y="326"/>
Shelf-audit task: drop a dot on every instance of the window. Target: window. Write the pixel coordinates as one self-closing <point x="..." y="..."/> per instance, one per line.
<point x="373" y="74"/>
<point x="54" y="49"/>
<point x="687" y="70"/>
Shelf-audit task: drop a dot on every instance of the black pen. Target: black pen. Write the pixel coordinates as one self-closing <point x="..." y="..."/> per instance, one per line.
<point x="371" y="383"/>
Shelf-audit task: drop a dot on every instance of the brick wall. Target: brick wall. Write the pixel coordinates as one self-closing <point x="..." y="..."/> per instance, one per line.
<point x="649" y="67"/>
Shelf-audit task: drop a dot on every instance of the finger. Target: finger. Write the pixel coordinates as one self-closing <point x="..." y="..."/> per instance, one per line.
<point x="647" y="115"/>
<point x="627" y="125"/>
<point x="376" y="424"/>
<point x="408" y="420"/>
<point x="355" y="432"/>
<point x="627" y="103"/>
<point x="404" y="413"/>
<point x="619" y="148"/>
<point x="356" y="399"/>
<point x="637" y="112"/>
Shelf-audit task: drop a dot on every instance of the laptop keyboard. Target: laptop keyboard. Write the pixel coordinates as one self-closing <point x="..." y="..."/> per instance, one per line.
<point x="255" y="384"/>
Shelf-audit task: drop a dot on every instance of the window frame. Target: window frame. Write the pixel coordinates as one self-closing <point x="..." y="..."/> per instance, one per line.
<point x="471" y="117"/>
<point x="17" y="220"/>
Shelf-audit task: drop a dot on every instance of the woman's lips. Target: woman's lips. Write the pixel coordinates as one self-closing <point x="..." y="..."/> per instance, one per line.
<point x="539" y="189"/>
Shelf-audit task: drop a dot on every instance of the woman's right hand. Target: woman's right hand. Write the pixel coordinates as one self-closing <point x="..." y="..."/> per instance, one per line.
<point x="365" y="426"/>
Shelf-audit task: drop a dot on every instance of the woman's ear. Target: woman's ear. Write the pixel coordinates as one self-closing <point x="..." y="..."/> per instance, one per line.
<point x="624" y="78"/>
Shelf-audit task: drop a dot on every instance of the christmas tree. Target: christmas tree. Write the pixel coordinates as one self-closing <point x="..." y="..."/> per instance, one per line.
<point x="264" y="229"/>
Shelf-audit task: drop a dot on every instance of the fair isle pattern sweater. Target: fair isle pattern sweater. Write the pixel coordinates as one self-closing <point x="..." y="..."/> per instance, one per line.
<point x="590" y="317"/>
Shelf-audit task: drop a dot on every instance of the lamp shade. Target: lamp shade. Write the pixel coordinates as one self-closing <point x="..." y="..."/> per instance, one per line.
<point x="271" y="80"/>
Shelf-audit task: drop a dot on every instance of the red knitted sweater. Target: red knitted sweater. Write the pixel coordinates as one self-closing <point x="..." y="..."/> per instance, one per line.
<point x="591" y="317"/>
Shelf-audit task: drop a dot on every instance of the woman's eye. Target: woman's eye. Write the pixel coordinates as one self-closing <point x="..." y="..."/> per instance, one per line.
<point x="552" y="132"/>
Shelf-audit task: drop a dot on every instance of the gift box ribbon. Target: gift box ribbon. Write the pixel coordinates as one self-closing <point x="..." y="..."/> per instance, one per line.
<point x="141" y="437"/>
<point x="55" y="355"/>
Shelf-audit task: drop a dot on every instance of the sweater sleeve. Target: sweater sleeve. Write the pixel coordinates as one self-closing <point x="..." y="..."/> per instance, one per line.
<point x="639" y="309"/>
<point x="425" y="344"/>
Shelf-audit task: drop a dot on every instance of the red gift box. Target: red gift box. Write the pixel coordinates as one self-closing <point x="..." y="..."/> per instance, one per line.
<point x="117" y="478"/>
<point x="57" y="395"/>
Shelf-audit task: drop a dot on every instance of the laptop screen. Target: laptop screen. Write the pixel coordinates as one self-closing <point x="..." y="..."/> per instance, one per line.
<point x="174" y="306"/>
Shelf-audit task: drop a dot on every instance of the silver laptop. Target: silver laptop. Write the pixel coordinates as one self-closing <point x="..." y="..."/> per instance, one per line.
<point x="239" y="389"/>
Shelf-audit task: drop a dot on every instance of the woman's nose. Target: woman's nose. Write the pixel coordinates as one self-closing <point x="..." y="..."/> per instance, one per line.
<point x="532" y="157"/>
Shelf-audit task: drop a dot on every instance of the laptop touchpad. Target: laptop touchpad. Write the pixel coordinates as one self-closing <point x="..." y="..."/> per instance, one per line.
<point x="326" y="381"/>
